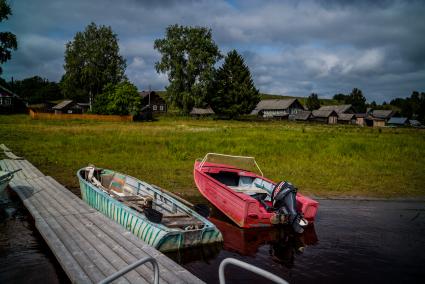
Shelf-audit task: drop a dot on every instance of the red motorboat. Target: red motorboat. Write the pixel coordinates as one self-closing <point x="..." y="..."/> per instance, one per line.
<point x="237" y="187"/>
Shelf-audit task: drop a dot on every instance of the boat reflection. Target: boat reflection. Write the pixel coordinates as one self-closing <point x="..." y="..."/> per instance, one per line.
<point x="283" y="242"/>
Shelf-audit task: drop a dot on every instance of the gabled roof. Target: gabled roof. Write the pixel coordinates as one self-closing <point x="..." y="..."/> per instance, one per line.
<point x="62" y="104"/>
<point x="302" y="115"/>
<point x="358" y="115"/>
<point x="382" y="113"/>
<point x="5" y="91"/>
<point x="324" y="113"/>
<point x="398" y="120"/>
<point x="144" y="94"/>
<point x="274" y="105"/>
<point x="337" y="108"/>
<point x="414" y="122"/>
<point x="346" y="116"/>
<point x="202" y="111"/>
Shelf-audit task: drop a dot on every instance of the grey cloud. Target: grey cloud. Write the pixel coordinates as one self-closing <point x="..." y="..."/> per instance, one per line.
<point x="291" y="47"/>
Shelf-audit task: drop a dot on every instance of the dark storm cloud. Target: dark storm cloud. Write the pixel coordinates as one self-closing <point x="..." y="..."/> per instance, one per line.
<point x="291" y="47"/>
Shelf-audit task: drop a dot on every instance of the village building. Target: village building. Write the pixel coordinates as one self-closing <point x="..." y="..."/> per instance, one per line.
<point x="325" y="116"/>
<point x="201" y="112"/>
<point x="346" y="113"/>
<point x="69" y="106"/>
<point x="151" y="98"/>
<point x="280" y="109"/>
<point x="360" y="119"/>
<point x="378" y="117"/>
<point x="10" y="102"/>
<point x="302" y="115"/>
<point x="339" y="108"/>
<point x="347" y="118"/>
<point x="398" y="121"/>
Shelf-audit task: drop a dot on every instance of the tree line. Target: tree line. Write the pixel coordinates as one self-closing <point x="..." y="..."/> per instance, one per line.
<point x="95" y="73"/>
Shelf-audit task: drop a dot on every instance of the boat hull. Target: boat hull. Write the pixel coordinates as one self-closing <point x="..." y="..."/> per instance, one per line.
<point x="241" y="208"/>
<point x="156" y="235"/>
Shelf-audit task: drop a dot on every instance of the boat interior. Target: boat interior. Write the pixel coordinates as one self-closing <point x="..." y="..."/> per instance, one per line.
<point x="139" y="196"/>
<point x="242" y="182"/>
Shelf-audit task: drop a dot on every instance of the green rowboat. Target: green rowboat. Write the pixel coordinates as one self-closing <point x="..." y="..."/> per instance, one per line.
<point x="152" y="214"/>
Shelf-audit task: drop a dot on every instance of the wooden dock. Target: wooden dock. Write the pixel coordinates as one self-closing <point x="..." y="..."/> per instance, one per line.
<point x="88" y="245"/>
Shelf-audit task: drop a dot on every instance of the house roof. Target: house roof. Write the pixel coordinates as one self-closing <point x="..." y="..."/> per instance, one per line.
<point x="324" y="113"/>
<point x="361" y="115"/>
<point x="273" y="104"/>
<point x="337" y="108"/>
<point x="398" y="120"/>
<point x="202" y="111"/>
<point x="302" y="115"/>
<point x="382" y="113"/>
<point x="6" y="92"/>
<point x="62" y="104"/>
<point x="346" y="116"/>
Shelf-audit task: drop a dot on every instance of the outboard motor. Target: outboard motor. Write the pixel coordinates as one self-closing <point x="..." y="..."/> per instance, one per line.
<point x="284" y="202"/>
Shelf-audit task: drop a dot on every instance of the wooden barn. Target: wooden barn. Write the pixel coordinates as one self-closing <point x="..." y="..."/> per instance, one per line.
<point x="280" y="109"/>
<point x="325" y="116"/>
<point x="10" y="102"/>
<point x="151" y="98"/>
<point x="346" y="113"/>
<point x="69" y="106"/>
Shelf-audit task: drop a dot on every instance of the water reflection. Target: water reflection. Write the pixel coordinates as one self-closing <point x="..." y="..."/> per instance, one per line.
<point x="283" y="243"/>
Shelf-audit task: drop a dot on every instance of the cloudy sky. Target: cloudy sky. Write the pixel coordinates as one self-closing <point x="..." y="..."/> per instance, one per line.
<point x="291" y="47"/>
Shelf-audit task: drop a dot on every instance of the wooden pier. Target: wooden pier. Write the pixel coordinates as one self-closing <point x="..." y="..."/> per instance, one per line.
<point x="88" y="245"/>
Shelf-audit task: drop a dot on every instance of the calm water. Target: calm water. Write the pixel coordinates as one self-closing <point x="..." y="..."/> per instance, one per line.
<point x="351" y="241"/>
<point x="24" y="257"/>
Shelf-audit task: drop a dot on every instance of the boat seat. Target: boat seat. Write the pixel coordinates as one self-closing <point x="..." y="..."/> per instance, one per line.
<point x="252" y="189"/>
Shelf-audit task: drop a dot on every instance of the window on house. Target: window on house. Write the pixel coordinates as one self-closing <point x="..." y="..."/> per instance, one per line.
<point x="8" y="101"/>
<point x="154" y="107"/>
<point x="1" y="101"/>
<point x="161" y="107"/>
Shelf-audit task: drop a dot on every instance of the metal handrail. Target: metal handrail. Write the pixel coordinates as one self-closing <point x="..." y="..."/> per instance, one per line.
<point x="132" y="266"/>
<point x="248" y="267"/>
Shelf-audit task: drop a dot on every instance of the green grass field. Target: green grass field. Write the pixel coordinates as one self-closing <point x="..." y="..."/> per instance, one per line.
<point x="321" y="160"/>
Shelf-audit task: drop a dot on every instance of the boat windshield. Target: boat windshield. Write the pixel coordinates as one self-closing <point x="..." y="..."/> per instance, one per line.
<point x="240" y="162"/>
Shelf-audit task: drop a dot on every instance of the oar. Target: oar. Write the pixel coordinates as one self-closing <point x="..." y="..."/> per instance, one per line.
<point x="11" y="173"/>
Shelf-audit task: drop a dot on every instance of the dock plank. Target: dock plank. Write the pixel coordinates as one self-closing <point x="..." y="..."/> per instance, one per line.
<point x="87" y="244"/>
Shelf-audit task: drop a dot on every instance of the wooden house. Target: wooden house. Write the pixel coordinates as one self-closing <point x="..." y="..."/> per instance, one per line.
<point x="398" y="121"/>
<point x="151" y="98"/>
<point x="346" y="113"/>
<point x="378" y="117"/>
<point x="325" y="116"/>
<point x="201" y="112"/>
<point x="302" y="115"/>
<point x="346" y="118"/>
<point x="339" y="108"/>
<point x="360" y="119"/>
<point x="277" y="108"/>
<point x="10" y="102"/>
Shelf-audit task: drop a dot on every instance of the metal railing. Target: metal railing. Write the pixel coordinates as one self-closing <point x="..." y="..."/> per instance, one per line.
<point x="248" y="267"/>
<point x="132" y="266"/>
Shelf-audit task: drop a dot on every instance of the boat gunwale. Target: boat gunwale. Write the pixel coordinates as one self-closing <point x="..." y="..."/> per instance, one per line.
<point x="208" y="225"/>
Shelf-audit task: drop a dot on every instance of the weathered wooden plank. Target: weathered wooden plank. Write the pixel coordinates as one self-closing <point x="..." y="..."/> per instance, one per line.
<point x="112" y="251"/>
<point x="79" y="251"/>
<point x="11" y="167"/>
<point x="12" y="156"/>
<point x="31" y="167"/>
<point x="88" y="245"/>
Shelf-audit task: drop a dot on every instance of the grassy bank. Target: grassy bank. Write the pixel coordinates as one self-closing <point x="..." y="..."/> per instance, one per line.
<point x="322" y="160"/>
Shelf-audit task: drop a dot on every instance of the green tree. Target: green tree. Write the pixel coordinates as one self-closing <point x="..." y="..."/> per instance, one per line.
<point x="36" y="90"/>
<point x="235" y="92"/>
<point x="120" y="99"/>
<point x="92" y="61"/>
<point x="341" y="98"/>
<point x="7" y="39"/>
<point x="357" y="100"/>
<point x="312" y="102"/>
<point x="188" y="55"/>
